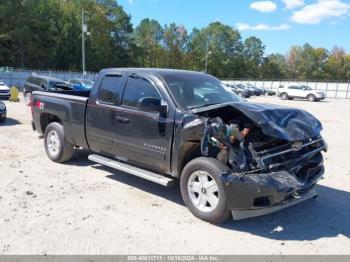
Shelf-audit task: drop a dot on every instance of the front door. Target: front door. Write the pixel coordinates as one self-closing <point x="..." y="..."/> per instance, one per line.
<point x="144" y="138"/>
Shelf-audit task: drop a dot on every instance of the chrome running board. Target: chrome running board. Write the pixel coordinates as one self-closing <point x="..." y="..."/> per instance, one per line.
<point x="145" y="174"/>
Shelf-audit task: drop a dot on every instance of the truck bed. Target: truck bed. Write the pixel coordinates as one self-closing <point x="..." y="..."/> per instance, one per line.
<point x="69" y="108"/>
<point x="80" y="93"/>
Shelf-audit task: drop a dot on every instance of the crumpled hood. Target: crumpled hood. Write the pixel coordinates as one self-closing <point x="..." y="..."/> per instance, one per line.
<point x="285" y="123"/>
<point x="281" y="122"/>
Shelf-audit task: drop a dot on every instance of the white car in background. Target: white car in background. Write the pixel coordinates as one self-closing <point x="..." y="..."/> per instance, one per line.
<point x="302" y="91"/>
<point x="4" y="90"/>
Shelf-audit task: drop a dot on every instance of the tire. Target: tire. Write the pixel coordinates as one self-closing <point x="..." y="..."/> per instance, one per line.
<point x="27" y="97"/>
<point x="56" y="146"/>
<point x="214" y="212"/>
<point x="311" y="98"/>
<point x="284" y="96"/>
<point x="2" y="119"/>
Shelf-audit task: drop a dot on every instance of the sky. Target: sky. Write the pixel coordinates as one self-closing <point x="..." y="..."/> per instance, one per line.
<point x="278" y="23"/>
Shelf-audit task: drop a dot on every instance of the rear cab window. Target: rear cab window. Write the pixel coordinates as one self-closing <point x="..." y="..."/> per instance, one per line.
<point x="111" y="89"/>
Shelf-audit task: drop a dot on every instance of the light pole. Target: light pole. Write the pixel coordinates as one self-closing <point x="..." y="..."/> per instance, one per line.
<point x="83" y="32"/>
<point x="207" y="53"/>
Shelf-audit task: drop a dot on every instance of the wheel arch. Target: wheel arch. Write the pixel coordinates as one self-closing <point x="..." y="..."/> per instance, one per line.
<point x="189" y="151"/>
<point x="48" y="118"/>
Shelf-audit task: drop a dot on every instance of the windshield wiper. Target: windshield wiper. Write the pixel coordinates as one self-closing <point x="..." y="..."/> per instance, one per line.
<point x="194" y="107"/>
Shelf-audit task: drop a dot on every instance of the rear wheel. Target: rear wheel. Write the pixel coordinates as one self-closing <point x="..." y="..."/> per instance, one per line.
<point x="284" y="96"/>
<point x="56" y="146"/>
<point x="311" y="98"/>
<point x="202" y="189"/>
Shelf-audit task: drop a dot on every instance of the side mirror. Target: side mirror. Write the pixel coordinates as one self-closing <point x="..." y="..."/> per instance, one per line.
<point x="43" y="86"/>
<point x="152" y="104"/>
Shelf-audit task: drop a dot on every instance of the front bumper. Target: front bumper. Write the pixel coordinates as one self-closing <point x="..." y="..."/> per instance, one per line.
<point x="2" y="114"/>
<point x="253" y="195"/>
<point x="320" y="97"/>
<point x="5" y="95"/>
<point x="243" y="214"/>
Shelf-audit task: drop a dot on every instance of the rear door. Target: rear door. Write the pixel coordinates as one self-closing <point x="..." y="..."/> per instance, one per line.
<point x="144" y="138"/>
<point x="293" y="91"/>
<point x="101" y="123"/>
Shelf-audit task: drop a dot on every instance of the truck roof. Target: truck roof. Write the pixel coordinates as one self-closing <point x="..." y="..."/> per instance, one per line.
<point x="48" y="78"/>
<point x="155" y="71"/>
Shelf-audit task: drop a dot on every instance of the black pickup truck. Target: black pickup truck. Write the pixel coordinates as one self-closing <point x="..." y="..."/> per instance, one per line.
<point x="230" y="156"/>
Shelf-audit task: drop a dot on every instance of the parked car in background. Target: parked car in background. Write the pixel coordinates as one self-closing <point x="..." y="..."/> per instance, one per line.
<point x="302" y="91"/>
<point x="248" y="88"/>
<point x="43" y="83"/>
<point x="4" y="91"/>
<point x="81" y="84"/>
<point x="269" y="92"/>
<point x="256" y="90"/>
<point x="3" y="111"/>
<point x="239" y="91"/>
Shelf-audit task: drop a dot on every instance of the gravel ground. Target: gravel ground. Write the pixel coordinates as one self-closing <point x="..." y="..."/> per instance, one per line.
<point x="82" y="208"/>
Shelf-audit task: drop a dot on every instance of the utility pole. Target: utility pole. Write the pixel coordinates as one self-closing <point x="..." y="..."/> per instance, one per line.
<point x="83" y="30"/>
<point x="207" y="53"/>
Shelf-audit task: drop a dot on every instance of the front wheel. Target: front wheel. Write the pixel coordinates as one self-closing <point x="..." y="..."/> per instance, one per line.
<point x="284" y="96"/>
<point x="58" y="149"/>
<point x="202" y="189"/>
<point x="311" y="98"/>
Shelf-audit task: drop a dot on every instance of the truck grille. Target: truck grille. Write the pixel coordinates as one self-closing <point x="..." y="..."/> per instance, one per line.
<point x="295" y="159"/>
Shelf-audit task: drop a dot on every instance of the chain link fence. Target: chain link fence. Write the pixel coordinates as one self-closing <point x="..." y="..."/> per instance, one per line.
<point x="332" y="89"/>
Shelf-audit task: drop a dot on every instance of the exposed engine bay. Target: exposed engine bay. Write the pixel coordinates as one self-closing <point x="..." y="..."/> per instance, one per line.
<point x="275" y="148"/>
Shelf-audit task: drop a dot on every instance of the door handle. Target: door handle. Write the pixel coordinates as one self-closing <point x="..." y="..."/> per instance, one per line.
<point x="122" y="119"/>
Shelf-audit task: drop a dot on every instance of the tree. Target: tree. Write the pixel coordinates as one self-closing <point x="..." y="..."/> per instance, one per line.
<point x="293" y="62"/>
<point x="148" y="36"/>
<point x="46" y="34"/>
<point x="253" y="51"/>
<point x="274" y="67"/>
<point x="175" y="41"/>
<point x="225" y="50"/>
<point x="337" y="64"/>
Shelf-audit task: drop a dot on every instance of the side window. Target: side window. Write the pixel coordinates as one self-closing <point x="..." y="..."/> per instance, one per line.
<point x="45" y="83"/>
<point x="36" y="81"/>
<point x="30" y="80"/>
<point x="111" y="89"/>
<point x="137" y="88"/>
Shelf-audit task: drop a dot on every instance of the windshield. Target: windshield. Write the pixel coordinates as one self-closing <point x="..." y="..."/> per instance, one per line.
<point x="192" y="91"/>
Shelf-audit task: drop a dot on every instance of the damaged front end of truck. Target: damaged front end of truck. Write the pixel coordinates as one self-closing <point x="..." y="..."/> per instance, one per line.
<point x="274" y="154"/>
